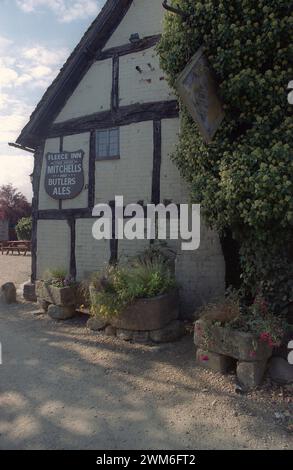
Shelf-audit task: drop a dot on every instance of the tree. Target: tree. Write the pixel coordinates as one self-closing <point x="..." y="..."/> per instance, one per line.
<point x="24" y="228"/>
<point x="13" y="204"/>
<point x="244" y="179"/>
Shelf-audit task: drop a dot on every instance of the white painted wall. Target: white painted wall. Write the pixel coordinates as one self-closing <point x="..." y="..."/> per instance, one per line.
<point x="131" y="176"/>
<point x="53" y="248"/>
<point x="173" y="187"/>
<point x="145" y="86"/>
<point x="127" y="249"/>
<point x="143" y="17"/>
<point x="92" y="95"/>
<point x="200" y="273"/>
<point x="91" y="255"/>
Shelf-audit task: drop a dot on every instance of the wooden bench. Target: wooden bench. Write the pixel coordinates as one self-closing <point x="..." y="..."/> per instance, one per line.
<point x="3" y="246"/>
<point x="19" y="247"/>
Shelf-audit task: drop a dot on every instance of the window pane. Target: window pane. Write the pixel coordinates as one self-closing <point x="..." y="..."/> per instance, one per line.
<point x="103" y="136"/>
<point x="102" y="146"/>
<point x="114" y="142"/>
<point x="107" y="143"/>
<point x="103" y="150"/>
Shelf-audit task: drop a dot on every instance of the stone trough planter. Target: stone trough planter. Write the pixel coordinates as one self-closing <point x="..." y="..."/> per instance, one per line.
<point x="59" y="303"/>
<point x="153" y="320"/>
<point x="218" y="348"/>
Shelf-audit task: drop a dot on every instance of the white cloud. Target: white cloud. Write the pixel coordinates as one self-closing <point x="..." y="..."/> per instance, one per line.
<point x="7" y="75"/>
<point x="41" y="71"/>
<point x="65" y="10"/>
<point x="25" y="72"/>
<point x="16" y="166"/>
<point x="36" y="66"/>
<point x="15" y="169"/>
<point x="27" y="69"/>
<point x="43" y="55"/>
<point x="4" y="43"/>
<point x="14" y="114"/>
<point x="12" y="122"/>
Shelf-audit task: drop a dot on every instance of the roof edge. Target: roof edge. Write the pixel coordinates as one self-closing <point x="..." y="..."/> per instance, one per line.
<point x="72" y="72"/>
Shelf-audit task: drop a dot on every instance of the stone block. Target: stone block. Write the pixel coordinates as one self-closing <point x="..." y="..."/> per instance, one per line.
<point x="125" y="335"/>
<point x="97" y="323"/>
<point x="169" y="333"/>
<point x="110" y="331"/>
<point x="280" y="371"/>
<point x="56" y="295"/>
<point x="237" y="344"/>
<point x="58" y="312"/>
<point x="214" y="361"/>
<point x="250" y="374"/>
<point x="141" y="337"/>
<point x="44" y="305"/>
<point x="29" y="292"/>
<point x="8" y="293"/>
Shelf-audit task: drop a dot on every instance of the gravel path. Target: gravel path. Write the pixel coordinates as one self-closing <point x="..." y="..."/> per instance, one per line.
<point x="63" y="387"/>
<point x="15" y="268"/>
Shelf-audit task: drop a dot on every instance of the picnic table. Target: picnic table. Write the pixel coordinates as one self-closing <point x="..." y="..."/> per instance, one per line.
<point x="18" y="246"/>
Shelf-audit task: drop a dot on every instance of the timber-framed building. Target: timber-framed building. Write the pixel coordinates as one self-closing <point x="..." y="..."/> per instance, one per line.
<point x="111" y="100"/>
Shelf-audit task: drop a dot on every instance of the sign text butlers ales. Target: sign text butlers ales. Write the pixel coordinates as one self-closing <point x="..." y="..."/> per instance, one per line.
<point x="64" y="177"/>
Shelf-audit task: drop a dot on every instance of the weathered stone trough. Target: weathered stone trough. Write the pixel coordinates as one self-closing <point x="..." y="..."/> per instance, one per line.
<point x="58" y="302"/>
<point x="218" y="348"/>
<point x="152" y="320"/>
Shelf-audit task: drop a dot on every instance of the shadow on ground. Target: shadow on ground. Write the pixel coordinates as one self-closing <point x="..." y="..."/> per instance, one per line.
<point x="63" y="387"/>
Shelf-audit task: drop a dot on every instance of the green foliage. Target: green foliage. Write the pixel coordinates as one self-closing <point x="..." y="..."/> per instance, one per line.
<point x="257" y="319"/>
<point x="244" y="179"/>
<point x="24" y="228"/>
<point x="118" y="286"/>
<point x="58" y="277"/>
<point x="13" y="204"/>
<point x="222" y="310"/>
<point x="260" y="320"/>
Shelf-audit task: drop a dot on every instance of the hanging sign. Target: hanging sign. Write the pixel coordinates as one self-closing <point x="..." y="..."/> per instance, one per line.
<point x="64" y="177"/>
<point x="198" y="90"/>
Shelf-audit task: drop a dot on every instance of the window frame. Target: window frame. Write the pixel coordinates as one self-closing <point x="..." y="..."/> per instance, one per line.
<point x="108" y="156"/>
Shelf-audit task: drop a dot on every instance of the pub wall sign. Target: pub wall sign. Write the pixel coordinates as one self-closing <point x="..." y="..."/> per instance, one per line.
<point x="64" y="177"/>
<point x="199" y="92"/>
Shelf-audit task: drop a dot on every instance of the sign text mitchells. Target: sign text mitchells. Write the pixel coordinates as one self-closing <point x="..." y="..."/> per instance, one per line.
<point x="64" y="177"/>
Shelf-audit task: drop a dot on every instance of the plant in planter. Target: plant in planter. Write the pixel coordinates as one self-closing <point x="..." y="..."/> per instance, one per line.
<point x="247" y="335"/>
<point x="83" y="302"/>
<point x="139" y="299"/>
<point x="57" y="294"/>
<point x="258" y="320"/>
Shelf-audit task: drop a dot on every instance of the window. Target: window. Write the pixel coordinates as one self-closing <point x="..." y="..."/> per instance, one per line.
<point x="107" y="144"/>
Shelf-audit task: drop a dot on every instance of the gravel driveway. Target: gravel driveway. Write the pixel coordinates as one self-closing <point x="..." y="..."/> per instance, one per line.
<point x="15" y="268"/>
<point x="64" y="387"/>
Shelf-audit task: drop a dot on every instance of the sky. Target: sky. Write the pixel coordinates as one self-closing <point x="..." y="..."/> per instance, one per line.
<point x="36" y="37"/>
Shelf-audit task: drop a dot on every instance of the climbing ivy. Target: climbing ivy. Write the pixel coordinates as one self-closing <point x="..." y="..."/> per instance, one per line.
<point x="244" y="179"/>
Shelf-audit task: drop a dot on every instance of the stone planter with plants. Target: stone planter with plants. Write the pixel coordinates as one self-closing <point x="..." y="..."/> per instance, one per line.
<point x="57" y="294"/>
<point x="228" y="336"/>
<point x="137" y="301"/>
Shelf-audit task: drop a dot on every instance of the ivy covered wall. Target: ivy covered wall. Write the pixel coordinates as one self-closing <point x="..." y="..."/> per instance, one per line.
<point x="244" y="179"/>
